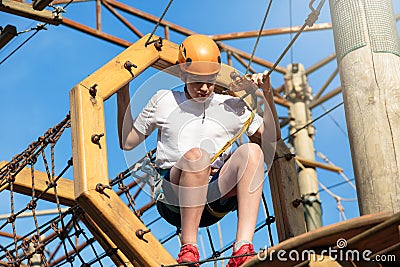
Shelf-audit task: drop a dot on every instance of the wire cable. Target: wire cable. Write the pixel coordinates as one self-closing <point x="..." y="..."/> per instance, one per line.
<point x="311" y="122"/>
<point x="18" y="47"/>
<point x="325" y="158"/>
<point x="336" y="185"/>
<point x="258" y="37"/>
<point x="158" y="23"/>
<point x="335" y="122"/>
<point x="309" y="22"/>
<point x="38" y="28"/>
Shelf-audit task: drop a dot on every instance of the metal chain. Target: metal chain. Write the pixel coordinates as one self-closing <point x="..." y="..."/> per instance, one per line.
<point x="32" y="244"/>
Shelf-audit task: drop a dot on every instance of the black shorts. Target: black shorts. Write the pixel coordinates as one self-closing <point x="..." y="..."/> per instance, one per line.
<point x="213" y="211"/>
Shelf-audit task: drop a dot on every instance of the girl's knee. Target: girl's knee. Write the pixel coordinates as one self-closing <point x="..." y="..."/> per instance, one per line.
<point x="194" y="160"/>
<point x="251" y="152"/>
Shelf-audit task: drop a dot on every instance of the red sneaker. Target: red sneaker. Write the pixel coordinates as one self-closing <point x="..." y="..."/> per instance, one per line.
<point x="246" y="249"/>
<point x="189" y="254"/>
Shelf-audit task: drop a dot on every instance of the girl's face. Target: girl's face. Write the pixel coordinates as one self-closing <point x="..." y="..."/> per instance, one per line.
<point x="199" y="87"/>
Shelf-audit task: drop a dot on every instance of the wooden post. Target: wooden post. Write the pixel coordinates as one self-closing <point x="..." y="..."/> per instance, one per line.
<point x="368" y="50"/>
<point x="285" y="195"/>
<point x="299" y="95"/>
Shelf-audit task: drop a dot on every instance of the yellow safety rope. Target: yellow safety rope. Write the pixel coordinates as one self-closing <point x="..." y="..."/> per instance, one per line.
<point x="245" y="126"/>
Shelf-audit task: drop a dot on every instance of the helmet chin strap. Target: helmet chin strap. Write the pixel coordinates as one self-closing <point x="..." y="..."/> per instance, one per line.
<point x="188" y="96"/>
<point x="204" y="112"/>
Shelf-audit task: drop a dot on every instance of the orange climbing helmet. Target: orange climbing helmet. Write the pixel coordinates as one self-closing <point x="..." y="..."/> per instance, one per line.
<point x="199" y="55"/>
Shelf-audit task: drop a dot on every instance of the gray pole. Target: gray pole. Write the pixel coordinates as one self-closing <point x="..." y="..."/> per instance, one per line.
<point x="298" y="93"/>
<point x="368" y="50"/>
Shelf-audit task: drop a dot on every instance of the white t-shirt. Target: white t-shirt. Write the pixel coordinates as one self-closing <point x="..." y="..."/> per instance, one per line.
<point x="184" y="124"/>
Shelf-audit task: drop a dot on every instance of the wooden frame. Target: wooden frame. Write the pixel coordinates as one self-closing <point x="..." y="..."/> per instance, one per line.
<point x="90" y="160"/>
<point x="65" y="192"/>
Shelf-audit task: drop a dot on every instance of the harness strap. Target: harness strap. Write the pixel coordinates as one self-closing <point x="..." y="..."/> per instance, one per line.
<point x="245" y="126"/>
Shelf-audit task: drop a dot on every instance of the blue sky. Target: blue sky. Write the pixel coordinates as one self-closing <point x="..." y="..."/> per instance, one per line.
<point x="36" y="80"/>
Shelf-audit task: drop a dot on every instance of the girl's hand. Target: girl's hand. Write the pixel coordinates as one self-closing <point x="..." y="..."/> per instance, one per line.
<point x="263" y="82"/>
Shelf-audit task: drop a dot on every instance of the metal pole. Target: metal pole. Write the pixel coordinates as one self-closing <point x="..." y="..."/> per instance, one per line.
<point x="368" y="54"/>
<point x="299" y="95"/>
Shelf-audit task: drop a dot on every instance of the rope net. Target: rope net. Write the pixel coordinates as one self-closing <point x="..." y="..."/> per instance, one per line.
<point x="30" y="236"/>
<point x="138" y="181"/>
<point x="44" y="227"/>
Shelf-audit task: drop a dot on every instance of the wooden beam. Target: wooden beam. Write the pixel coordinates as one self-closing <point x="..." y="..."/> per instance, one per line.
<point x="122" y="19"/>
<point x="90" y="159"/>
<point x="242" y="62"/>
<point x="26" y="10"/>
<point x="59" y="2"/>
<point x="285" y="191"/>
<point x="316" y="164"/>
<point x="321" y="63"/>
<point x="98" y="15"/>
<point x="40" y="4"/>
<point x="23" y="185"/>
<point x="284" y="122"/>
<point x="95" y="33"/>
<point x="9" y="235"/>
<point x="257" y="60"/>
<point x="113" y="75"/>
<point x="119" y="223"/>
<point x="149" y="17"/>
<point x="326" y="84"/>
<point x="269" y="32"/>
<point x="278" y="100"/>
<point x="325" y="97"/>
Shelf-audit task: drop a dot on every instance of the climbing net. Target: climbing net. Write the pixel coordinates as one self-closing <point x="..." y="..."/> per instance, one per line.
<point x="140" y="177"/>
<point x="30" y="236"/>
